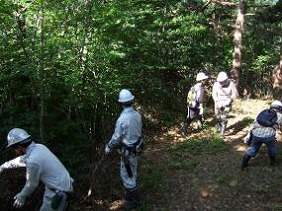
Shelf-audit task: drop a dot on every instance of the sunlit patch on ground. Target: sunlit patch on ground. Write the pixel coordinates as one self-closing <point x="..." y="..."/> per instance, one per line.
<point x="241" y="147"/>
<point x="116" y="205"/>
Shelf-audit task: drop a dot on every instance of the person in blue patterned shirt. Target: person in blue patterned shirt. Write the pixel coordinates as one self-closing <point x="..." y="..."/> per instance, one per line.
<point x="259" y="135"/>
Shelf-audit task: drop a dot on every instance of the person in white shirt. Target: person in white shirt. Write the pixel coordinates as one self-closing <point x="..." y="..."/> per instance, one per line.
<point x="41" y="166"/>
<point x="224" y="92"/>
<point x="195" y="111"/>
<point x="127" y="137"/>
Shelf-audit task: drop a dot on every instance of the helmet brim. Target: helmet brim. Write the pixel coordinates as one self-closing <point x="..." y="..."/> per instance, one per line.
<point x="202" y="78"/>
<point x="28" y="139"/>
<point x="127" y="100"/>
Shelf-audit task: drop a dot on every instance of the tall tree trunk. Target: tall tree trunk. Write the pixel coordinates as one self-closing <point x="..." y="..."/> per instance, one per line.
<point x="237" y="40"/>
<point x="277" y="78"/>
<point x="41" y="75"/>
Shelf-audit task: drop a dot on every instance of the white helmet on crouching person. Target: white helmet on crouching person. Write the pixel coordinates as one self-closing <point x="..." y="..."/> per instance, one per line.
<point x="17" y="136"/>
<point x="125" y="96"/>
<point x="276" y="104"/>
<point x="222" y="76"/>
<point x="201" y="76"/>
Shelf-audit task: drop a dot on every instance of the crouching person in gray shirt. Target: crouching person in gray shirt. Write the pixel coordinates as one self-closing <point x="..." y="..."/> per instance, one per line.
<point x="41" y="166"/>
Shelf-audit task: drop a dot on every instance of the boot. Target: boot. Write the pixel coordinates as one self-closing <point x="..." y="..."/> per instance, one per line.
<point x="132" y="198"/>
<point x="199" y="124"/>
<point x="245" y="161"/>
<point x="185" y="127"/>
<point x="223" y="126"/>
<point x="272" y="160"/>
<point x="202" y="118"/>
<point x="222" y="129"/>
<point x="218" y="125"/>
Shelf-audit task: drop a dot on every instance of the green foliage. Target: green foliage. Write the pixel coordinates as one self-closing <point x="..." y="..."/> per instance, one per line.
<point x="222" y="177"/>
<point x="151" y="179"/>
<point x="262" y="63"/>
<point x="183" y="164"/>
<point x="63" y="63"/>
<point x="199" y="146"/>
<point x="187" y="155"/>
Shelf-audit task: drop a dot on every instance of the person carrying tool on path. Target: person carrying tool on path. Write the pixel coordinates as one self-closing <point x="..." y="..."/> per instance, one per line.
<point x="127" y="137"/>
<point x="263" y="131"/>
<point x="224" y="92"/>
<point x="195" y="99"/>
<point x="41" y="166"/>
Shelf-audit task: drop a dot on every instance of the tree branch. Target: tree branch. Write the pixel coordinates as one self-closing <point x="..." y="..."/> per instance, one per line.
<point x="224" y="3"/>
<point x="220" y="2"/>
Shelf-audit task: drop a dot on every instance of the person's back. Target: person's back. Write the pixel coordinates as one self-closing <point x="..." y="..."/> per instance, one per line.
<point x="131" y="122"/>
<point x="128" y="138"/>
<point x="52" y="172"/>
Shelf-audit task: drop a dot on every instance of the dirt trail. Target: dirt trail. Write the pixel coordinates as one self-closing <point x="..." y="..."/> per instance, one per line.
<point x="217" y="183"/>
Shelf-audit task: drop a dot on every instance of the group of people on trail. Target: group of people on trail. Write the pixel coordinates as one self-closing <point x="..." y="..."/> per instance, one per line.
<point x="43" y="166"/>
<point x="223" y="93"/>
<point x="263" y="130"/>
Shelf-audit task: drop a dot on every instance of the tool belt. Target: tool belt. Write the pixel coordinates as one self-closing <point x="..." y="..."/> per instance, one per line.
<point x="136" y="149"/>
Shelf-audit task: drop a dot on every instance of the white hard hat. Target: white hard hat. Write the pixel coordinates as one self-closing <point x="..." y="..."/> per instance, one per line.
<point x="125" y="96"/>
<point x="17" y="135"/>
<point x="276" y="104"/>
<point x="222" y="76"/>
<point x="201" y="76"/>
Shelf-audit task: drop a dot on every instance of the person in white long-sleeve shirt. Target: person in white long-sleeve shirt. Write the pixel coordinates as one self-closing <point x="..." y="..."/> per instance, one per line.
<point x="224" y="92"/>
<point x="41" y="166"/>
<point x="127" y="136"/>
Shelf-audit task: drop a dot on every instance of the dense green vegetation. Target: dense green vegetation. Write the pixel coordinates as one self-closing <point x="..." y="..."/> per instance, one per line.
<point x="62" y="63"/>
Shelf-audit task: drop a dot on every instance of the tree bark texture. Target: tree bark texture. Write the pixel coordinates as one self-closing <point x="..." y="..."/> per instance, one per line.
<point x="277" y="80"/>
<point x="237" y="41"/>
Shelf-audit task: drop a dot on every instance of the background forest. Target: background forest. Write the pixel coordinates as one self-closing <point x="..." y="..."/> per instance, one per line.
<point x="62" y="63"/>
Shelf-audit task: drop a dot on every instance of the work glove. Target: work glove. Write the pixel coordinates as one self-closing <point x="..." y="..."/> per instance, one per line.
<point x="201" y="112"/>
<point x="107" y="149"/>
<point x="247" y="139"/>
<point x="19" y="201"/>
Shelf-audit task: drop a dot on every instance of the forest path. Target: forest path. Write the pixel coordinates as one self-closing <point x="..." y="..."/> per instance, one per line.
<point x="213" y="180"/>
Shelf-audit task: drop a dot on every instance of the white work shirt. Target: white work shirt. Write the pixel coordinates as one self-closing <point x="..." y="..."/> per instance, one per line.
<point x="41" y="165"/>
<point x="223" y="96"/>
<point x="200" y="92"/>
<point x="128" y="128"/>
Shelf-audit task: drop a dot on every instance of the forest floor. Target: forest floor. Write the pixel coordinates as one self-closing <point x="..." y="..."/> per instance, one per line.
<point x="207" y="176"/>
<point x="210" y="178"/>
<point x="198" y="172"/>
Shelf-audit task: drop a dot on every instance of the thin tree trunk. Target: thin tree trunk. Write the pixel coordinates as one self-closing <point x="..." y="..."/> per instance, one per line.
<point x="22" y="32"/>
<point x="41" y="75"/>
<point x="238" y="34"/>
